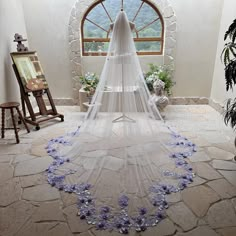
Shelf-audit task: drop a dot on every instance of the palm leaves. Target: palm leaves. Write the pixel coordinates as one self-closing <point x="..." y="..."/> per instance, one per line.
<point x="228" y="51"/>
<point x="230" y="74"/>
<point x="231" y="32"/>
<point x="230" y="113"/>
<point x="228" y="57"/>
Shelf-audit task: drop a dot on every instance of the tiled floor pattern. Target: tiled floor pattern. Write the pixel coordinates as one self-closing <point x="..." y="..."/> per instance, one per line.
<point x="31" y="207"/>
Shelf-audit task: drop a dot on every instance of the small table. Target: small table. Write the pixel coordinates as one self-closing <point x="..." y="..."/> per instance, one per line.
<point x="11" y="106"/>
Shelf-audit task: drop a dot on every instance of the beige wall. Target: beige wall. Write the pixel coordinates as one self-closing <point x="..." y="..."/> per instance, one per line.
<point x="11" y="22"/>
<point x="95" y="64"/>
<point x="218" y="92"/>
<point x="198" y="27"/>
<point x="47" y="28"/>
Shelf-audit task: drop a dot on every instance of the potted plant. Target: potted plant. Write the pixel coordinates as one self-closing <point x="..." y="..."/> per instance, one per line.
<point x="162" y="72"/>
<point x="228" y="57"/>
<point x="89" y="83"/>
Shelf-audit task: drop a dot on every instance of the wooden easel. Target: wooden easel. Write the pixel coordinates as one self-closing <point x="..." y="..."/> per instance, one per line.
<point x="44" y="114"/>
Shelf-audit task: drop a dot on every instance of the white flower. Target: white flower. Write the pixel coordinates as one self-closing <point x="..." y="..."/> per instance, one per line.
<point x="150" y="79"/>
<point x="155" y="76"/>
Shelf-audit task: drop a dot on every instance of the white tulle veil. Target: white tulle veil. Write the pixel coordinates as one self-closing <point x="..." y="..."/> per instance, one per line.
<point x="123" y="161"/>
<point x="122" y="92"/>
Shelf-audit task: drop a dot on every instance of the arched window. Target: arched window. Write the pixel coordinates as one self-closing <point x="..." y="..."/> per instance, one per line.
<point x="149" y="26"/>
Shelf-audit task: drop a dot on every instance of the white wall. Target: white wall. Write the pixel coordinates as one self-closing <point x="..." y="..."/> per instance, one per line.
<point x="95" y="64"/>
<point x="11" y="22"/>
<point x="47" y="28"/>
<point x="197" y="36"/>
<point x="218" y="92"/>
<point x="198" y="27"/>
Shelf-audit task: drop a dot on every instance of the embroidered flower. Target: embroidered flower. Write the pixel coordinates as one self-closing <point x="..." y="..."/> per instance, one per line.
<point x="122" y="221"/>
<point x="123" y="201"/>
<point x="142" y="211"/>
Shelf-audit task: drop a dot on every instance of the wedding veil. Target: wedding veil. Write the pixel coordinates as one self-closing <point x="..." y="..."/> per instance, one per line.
<point x="123" y="162"/>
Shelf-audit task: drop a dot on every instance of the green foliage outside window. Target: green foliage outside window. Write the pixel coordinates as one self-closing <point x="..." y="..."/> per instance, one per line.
<point x="145" y="16"/>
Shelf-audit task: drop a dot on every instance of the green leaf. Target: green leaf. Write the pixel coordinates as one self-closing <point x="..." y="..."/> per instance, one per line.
<point x="164" y="73"/>
<point x="230" y="74"/>
<point x="222" y="55"/>
<point x="226" y="56"/>
<point x="230" y="113"/>
<point x="231" y="32"/>
<point x="232" y="48"/>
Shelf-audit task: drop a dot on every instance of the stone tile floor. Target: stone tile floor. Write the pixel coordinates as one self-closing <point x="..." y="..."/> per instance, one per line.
<point x="30" y="207"/>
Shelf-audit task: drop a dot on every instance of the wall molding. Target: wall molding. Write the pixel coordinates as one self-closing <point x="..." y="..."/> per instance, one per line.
<point x="188" y="101"/>
<point x="173" y="101"/>
<point x="216" y="105"/>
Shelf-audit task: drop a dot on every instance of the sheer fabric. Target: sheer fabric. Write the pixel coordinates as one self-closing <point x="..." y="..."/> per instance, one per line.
<point x="123" y="161"/>
<point x="122" y="92"/>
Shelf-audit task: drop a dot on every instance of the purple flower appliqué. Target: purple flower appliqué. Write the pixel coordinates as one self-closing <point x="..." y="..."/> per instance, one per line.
<point x="122" y="221"/>
<point x="123" y="201"/>
<point x="142" y="211"/>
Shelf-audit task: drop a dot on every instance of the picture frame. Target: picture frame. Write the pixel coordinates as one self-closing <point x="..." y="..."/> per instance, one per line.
<point x="30" y="71"/>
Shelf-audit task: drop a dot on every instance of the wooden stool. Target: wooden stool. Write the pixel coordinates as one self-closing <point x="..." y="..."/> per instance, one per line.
<point x="11" y="106"/>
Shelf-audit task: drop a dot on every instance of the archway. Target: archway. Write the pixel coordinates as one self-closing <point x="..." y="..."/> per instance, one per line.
<point x="74" y="29"/>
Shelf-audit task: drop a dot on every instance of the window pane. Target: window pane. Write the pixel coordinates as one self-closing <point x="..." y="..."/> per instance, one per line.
<point x="99" y="16"/>
<point x="148" y="46"/>
<point x="153" y="30"/>
<point x="113" y="7"/>
<point x="105" y="46"/>
<point x="131" y="7"/>
<point x="96" y="46"/>
<point x="145" y="16"/>
<point x="140" y="46"/>
<point x="92" y="31"/>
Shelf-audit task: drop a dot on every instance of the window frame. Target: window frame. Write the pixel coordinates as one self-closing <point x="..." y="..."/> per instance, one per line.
<point x="137" y="39"/>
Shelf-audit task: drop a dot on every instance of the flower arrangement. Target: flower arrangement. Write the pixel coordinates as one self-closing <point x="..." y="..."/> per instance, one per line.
<point x="163" y="73"/>
<point x="89" y="82"/>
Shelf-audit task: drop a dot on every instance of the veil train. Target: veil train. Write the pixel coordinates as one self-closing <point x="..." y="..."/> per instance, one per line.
<point x="124" y="161"/>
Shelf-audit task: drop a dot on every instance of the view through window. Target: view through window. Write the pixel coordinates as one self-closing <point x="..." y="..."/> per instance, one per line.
<point x="149" y="26"/>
